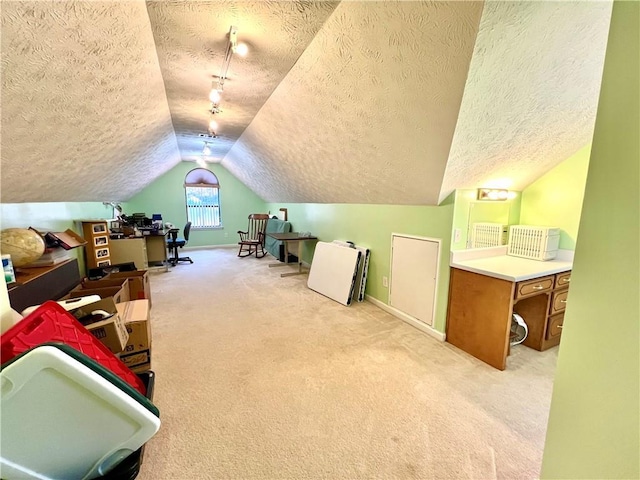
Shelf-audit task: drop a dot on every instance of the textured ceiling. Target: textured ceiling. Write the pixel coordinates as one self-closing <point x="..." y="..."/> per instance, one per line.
<point x="355" y="102"/>
<point x="368" y="113"/>
<point x="84" y="112"/>
<point x="191" y="40"/>
<point x="531" y="97"/>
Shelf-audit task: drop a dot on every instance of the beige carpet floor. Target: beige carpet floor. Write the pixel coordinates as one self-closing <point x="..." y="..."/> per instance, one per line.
<point x="259" y="377"/>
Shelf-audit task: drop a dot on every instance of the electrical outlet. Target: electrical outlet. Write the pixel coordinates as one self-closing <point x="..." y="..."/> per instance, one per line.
<point x="456" y="235"/>
<point x="385" y="282"/>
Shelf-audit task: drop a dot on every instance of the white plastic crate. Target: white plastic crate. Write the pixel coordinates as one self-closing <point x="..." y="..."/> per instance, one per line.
<point x="537" y="243"/>
<point x="487" y="235"/>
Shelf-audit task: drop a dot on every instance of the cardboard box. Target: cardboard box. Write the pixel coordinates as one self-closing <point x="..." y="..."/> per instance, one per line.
<point x="136" y="318"/>
<point x="110" y="331"/>
<point x="119" y="293"/>
<point x="139" y="286"/>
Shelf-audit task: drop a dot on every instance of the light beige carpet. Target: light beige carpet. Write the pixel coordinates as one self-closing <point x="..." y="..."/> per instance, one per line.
<point x="260" y="377"/>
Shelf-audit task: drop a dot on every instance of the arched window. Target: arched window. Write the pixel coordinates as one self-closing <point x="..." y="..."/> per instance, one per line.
<point x="201" y="190"/>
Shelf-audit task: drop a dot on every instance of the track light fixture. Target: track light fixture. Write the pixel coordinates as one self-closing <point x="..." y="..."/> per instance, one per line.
<point x="217" y="87"/>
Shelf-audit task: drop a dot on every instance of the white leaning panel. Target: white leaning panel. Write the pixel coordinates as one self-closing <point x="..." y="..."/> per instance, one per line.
<point x="333" y="271"/>
<point x="361" y="277"/>
<point x="62" y="420"/>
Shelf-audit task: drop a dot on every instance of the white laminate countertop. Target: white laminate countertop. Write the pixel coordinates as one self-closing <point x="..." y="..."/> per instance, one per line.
<point x="507" y="267"/>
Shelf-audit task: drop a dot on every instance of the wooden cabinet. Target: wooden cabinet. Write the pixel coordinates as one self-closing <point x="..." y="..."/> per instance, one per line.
<point x="544" y="315"/>
<point x="37" y="285"/>
<point x="481" y="308"/>
<point x="96" y="233"/>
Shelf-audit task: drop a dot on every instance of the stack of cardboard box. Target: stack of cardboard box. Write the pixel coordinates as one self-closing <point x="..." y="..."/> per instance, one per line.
<point x="126" y="300"/>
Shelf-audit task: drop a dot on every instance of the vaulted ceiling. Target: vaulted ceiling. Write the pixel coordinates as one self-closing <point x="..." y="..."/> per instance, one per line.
<point x="340" y="102"/>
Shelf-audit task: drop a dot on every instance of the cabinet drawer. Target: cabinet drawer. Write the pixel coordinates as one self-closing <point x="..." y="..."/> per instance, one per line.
<point x="558" y="301"/>
<point x="554" y="326"/>
<point x="532" y="287"/>
<point x="563" y="279"/>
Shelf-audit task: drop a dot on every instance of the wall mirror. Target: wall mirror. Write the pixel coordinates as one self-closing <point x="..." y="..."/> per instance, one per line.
<point x="491" y="212"/>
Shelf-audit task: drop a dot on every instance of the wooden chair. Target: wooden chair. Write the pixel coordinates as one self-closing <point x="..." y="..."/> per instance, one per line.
<point x="252" y="241"/>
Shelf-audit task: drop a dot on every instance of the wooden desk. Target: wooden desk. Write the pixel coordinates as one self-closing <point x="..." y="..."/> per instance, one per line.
<point x="286" y="238"/>
<point x="147" y="251"/>
<point x="481" y="306"/>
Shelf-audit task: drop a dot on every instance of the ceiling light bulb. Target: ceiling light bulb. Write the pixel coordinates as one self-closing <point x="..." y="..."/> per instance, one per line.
<point x="214" y="96"/>
<point x="241" y="49"/>
<point x="213" y="125"/>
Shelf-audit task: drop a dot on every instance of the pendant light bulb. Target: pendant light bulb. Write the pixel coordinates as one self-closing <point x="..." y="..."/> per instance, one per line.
<point x="214" y="96"/>
<point x="213" y="126"/>
<point x="206" y="150"/>
<point x="241" y="49"/>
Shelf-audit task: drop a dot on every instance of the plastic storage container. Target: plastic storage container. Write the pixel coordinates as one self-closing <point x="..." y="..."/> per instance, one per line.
<point x="536" y="243"/>
<point x="66" y="416"/>
<point x="129" y="468"/>
<point x="52" y="323"/>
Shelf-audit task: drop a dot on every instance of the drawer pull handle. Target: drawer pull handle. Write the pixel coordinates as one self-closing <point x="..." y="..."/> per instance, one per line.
<point x="566" y="280"/>
<point x="560" y="327"/>
<point x="538" y="287"/>
<point x="563" y="301"/>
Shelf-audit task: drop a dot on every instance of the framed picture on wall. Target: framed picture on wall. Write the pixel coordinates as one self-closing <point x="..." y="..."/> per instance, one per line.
<point x="102" y="252"/>
<point x="104" y="263"/>
<point x="99" y="228"/>
<point x="101" y="240"/>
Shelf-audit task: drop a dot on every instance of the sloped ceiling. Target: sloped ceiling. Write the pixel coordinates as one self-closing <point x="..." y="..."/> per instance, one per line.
<point x="531" y="97"/>
<point x="84" y="111"/>
<point x="356" y="102"/>
<point x="368" y="113"/>
<point x="191" y="40"/>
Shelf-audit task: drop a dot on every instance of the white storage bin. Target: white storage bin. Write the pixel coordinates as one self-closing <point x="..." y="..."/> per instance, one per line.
<point x="537" y="243"/>
<point x="487" y="235"/>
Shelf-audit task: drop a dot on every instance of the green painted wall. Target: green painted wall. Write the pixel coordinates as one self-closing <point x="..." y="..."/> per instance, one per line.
<point x="371" y="226"/>
<point x="594" y="422"/>
<point x="555" y="199"/>
<point x="166" y="196"/>
<point x="468" y="210"/>
<point x="54" y="217"/>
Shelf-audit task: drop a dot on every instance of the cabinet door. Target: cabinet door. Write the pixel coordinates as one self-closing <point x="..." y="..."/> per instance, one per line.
<point x="533" y="287"/>
<point x="554" y="326"/>
<point x="558" y="301"/>
<point x="563" y="279"/>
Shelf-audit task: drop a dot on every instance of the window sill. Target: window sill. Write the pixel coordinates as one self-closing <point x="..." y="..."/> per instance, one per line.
<point x="207" y="228"/>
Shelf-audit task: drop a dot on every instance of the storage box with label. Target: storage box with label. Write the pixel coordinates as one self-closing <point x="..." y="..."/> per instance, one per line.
<point x="137" y="351"/>
<point x="119" y="291"/>
<point x="104" y="322"/>
<point x="139" y="286"/>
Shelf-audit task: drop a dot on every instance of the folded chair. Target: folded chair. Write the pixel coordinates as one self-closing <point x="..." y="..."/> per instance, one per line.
<point x="252" y="241"/>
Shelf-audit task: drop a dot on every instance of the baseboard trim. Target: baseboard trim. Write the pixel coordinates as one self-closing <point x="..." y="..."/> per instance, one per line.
<point x="207" y="247"/>
<point x="407" y="318"/>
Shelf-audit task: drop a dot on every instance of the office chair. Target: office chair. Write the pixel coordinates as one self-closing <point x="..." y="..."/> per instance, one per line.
<point x="174" y="243"/>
